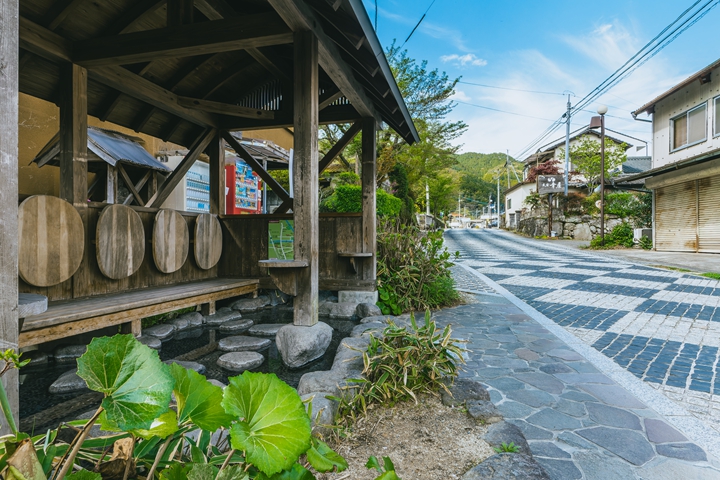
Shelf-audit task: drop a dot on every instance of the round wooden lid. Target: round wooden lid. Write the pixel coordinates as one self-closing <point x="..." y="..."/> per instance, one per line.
<point x="120" y="241"/>
<point x="208" y="241"/>
<point x="171" y="241"/>
<point x="51" y="240"/>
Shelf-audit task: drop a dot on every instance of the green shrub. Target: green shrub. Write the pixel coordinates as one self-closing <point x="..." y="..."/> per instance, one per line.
<point x="348" y="199"/>
<point x="646" y="243"/>
<point x="588" y="204"/>
<point x="621" y="236"/>
<point x="413" y="269"/>
<point x="402" y="363"/>
<point x="347" y="178"/>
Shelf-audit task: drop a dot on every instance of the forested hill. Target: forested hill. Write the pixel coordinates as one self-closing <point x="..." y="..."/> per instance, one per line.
<point x="481" y="163"/>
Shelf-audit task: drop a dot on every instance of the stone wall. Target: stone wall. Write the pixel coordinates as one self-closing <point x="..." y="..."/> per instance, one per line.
<point x="577" y="227"/>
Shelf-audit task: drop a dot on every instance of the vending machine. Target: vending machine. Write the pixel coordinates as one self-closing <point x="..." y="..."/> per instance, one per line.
<point x="246" y="197"/>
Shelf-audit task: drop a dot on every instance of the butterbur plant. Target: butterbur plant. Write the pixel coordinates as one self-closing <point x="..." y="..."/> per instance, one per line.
<point x="255" y="428"/>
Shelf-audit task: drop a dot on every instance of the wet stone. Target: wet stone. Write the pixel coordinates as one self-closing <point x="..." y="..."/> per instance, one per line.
<point x="576" y="441"/>
<point x="505" y="432"/>
<point x="554" y="420"/>
<point x="236" y="326"/>
<point x="548" y="449"/>
<point x="195" y="366"/>
<point x="36" y="357"/>
<point x="660" y="432"/>
<point x="218" y="318"/>
<point x="542" y="381"/>
<point x="161" y="332"/>
<point x="554" y="368"/>
<point x="512" y="409"/>
<point x="69" y="353"/>
<point x="68" y="382"/>
<point x="265" y="329"/>
<point x="342" y="310"/>
<point x="240" y="343"/>
<point x="683" y="451"/>
<point x="180" y="323"/>
<point x="506" y="384"/>
<point x="193" y="319"/>
<point x="364" y="310"/>
<point x="189" y="333"/>
<point x="240" y="361"/>
<point x="626" y="444"/>
<point x="464" y="390"/>
<point x="564" y="469"/>
<point x="507" y="466"/>
<point x="483" y="411"/>
<point x="246" y="305"/>
<point x="612" y="417"/>
<point x="603" y="467"/>
<point x="534" y="398"/>
<point x="613" y="395"/>
<point x="150" y="341"/>
<point x="571" y="408"/>
<point x="565" y="354"/>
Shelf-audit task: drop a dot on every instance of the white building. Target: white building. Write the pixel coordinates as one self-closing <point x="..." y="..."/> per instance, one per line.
<point x="685" y="177"/>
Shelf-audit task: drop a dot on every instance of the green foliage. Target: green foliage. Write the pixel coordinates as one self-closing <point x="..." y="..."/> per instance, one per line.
<point x="348" y="199"/>
<point x="387" y="469"/>
<point x="585" y="156"/>
<point x="136" y="384"/>
<point x="198" y="401"/>
<point x="481" y="163"/>
<point x="404" y="362"/>
<point x="715" y="276"/>
<point x="164" y="317"/>
<point x="413" y="269"/>
<point x="631" y="206"/>
<point x="282" y="177"/>
<point x="273" y="428"/>
<point x="643" y="213"/>
<point x="84" y="475"/>
<point x="621" y="236"/>
<point x="347" y="178"/>
<point x="534" y="200"/>
<point x="646" y="243"/>
<point x="401" y="189"/>
<point x="588" y="204"/>
<point x="324" y="459"/>
<point x="11" y="360"/>
<point x="507" y="448"/>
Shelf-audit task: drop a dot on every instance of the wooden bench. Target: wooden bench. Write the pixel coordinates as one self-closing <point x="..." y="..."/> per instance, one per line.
<point x="72" y="317"/>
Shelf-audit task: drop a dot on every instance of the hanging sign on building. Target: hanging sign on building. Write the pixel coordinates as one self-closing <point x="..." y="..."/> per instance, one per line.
<point x="550" y="184"/>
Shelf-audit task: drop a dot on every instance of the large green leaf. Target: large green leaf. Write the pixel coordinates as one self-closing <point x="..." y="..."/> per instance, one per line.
<point x="233" y="472"/>
<point x="202" y="471"/>
<point x="325" y="459"/>
<point x="84" y="475"/>
<point x="163" y="426"/>
<point x="176" y="471"/>
<point x="273" y="427"/>
<point x="136" y="384"/>
<point x="297" y="472"/>
<point x="198" y="400"/>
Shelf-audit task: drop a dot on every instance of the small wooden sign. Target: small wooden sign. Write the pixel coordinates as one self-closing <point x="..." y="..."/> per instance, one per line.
<point x="550" y="184"/>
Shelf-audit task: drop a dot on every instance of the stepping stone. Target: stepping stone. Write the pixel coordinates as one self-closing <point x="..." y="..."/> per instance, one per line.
<point x="612" y="417"/>
<point x="266" y="329"/>
<point x="504" y="432"/>
<point x="660" y="432"/>
<point x="180" y="323"/>
<point x="483" y="411"/>
<point x="626" y="444"/>
<point x="236" y="326"/>
<point x="464" y="390"/>
<point x="162" y="332"/>
<point x="240" y="361"/>
<point x="152" y="342"/>
<point x="367" y="310"/>
<point x="189" y="333"/>
<point x="198" y="367"/>
<point x="36" y="357"/>
<point x="683" y="451"/>
<point x="553" y="420"/>
<point x="194" y="319"/>
<point x="68" y="382"/>
<point x="221" y="317"/>
<point x="69" y="353"/>
<point x="507" y="466"/>
<point x="241" y="343"/>
<point x="345" y="310"/>
<point x="217" y="383"/>
<point x="246" y="305"/>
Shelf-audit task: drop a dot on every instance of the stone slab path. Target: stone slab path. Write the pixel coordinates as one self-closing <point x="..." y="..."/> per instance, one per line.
<point x="585" y="416"/>
<point x="661" y="326"/>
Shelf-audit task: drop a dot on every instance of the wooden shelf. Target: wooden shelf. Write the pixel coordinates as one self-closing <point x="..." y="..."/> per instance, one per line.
<point x="278" y="263"/>
<point x="355" y="254"/>
<point x="284" y="273"/>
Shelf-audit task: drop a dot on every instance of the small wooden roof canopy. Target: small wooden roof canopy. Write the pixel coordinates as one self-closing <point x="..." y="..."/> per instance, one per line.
<point x="171" y="68"/>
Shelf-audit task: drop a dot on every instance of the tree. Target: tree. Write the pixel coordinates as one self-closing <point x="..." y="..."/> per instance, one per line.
<point x="585" y="156"/>
<point x="551" y="167"/>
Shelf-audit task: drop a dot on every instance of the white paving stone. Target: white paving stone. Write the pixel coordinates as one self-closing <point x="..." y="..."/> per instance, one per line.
<point x="698" y="282"/>
<point x="627" y="282"/>
<point x="591" y="299"/>
<point x="527" y="281"/>
<point x="578" y="271"/>
<point x="683" y="297"/>
<point x="653" y="273"/>
<point x="503" y="271"/>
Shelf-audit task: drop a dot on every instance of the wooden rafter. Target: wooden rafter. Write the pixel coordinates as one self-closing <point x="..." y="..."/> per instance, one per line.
<point x="137" y="188"/>
<point x="182" y="41"/>
<point x="283" y="119"/>
<point x="329" y="97"/>
<point x="133" y="15"/>
<point x="130" y="185"/>
<point x="225" y="108"/>
<point x="173" y="180"/>
<point x="59" y="11"/>
<point x="215" y="9"/>
<point x="270" y="65"/>
<point x="180" y="12"/>
<point x="339" y="146"/>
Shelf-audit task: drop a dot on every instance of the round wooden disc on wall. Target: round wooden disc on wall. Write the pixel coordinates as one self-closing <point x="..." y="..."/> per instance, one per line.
<point x="51" y="240"/>
<point x="171" y="241"/>
<point x="120" y="241"/>
<point x="208" y="241"/>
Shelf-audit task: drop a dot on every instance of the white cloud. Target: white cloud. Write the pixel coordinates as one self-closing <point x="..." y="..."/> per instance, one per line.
<point x="460" y="96"/>
<point x="464" y="60"/>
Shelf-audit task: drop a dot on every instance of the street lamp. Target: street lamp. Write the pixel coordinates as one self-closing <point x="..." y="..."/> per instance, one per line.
<point x="600" y="122"/>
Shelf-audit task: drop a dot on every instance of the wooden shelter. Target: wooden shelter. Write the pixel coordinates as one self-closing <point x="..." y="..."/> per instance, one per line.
<point x="188" y="72"/>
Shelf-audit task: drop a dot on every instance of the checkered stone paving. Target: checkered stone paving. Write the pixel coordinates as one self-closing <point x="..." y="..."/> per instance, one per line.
<point x="661" y="326"/>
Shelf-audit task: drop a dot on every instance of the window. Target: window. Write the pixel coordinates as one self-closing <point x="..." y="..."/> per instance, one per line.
<point x="689" y="128"/>
<point x="509" y="203"/>
<point x="717" y="116"/>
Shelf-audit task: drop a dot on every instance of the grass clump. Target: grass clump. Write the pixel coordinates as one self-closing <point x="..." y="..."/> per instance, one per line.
<point x="715" y="276"/>
<point x="403" y="363"/>
<point x="507" y="448"/>
<point x="621" y="236"/>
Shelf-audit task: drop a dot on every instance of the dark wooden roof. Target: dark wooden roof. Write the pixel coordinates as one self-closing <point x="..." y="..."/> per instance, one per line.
<point x="222" y="63"/>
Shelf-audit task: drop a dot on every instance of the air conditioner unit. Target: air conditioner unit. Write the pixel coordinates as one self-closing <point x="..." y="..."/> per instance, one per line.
<point x="642" y="232"/>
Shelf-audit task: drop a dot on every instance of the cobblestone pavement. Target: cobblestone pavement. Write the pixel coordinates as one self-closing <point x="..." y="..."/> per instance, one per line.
<point x="579" y="423"/>
<point x="467" y="282"/>
<point x="661" y="326"/>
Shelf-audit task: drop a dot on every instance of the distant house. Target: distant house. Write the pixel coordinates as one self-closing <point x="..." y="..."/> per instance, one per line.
<point x="685" y="174"/>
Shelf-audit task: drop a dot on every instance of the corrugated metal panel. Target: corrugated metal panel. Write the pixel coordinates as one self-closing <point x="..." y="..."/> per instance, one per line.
<point x="709" y="214"/>
<point x="676" y="218"/>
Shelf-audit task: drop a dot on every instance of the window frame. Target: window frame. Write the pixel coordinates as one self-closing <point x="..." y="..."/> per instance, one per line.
<point x="686" y="114"/>
<point x="716" y="116"/>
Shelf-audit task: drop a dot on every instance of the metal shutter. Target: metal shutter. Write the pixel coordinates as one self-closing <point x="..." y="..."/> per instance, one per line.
<point x="676" y="218"/>
<point x="709" y="214"/>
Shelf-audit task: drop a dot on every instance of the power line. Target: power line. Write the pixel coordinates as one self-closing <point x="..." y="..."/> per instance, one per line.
<point x="418" y="23"/>
<point x="512" y="89"/>
<point x="501" y="111"/>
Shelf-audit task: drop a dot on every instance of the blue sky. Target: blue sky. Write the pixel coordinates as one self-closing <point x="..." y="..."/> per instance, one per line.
<point x="550" y="46"/>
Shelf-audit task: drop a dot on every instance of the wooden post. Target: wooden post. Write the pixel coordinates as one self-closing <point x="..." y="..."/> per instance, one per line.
<point x="111" y="184"/>
<point x="216" y="152"/>
<point x="9" y="49"/>
<point x="306" y="212"/>
<point x="73" y="135"/>
<point x="369" y="154"/>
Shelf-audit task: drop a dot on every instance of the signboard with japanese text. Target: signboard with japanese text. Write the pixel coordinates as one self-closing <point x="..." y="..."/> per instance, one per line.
<point x="550" y="184"/>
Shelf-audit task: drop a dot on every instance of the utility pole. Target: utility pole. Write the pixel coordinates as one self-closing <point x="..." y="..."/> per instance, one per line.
<point x="567" y="144"/>
<point x="427" y="199"/>
<point x="507" y="166"/>
<point x="498" y="202"/>
<point x="459" y="211"/>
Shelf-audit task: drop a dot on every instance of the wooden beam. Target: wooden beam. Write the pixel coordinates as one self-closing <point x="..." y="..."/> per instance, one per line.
<point x="305" y="176"/>
<point x="133" y="15"/>
<point x="130" y="185"/>
<point x="216" y="152"/>
<point x="270" y="65"/>
<point x="9" y="51"/>
<point x="43" y="42"/>
<point x="138" y="87"/>
<point x="339" y="146"/>
<point x="329" y="97"/>
<point x="215" y="9"/>
<point x="172" y="181"/>
<point x="139" y="187"/>
<point x="143" y="118"/>
<point x="73" y="135"/>
<point x="284" y="207"/>
<point x="183" y="41"/>
<point x="255" y="166"/>
<point x="180" y="12"/>
<point x="225" y="108"/>
<point x="299" y="16"/>
<point x="228" y="74"/>
<point x="111" y="184"/>
<point x="369" y="211"/>
<point x="59" y="11"/>
<point x="333" y="114"/>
